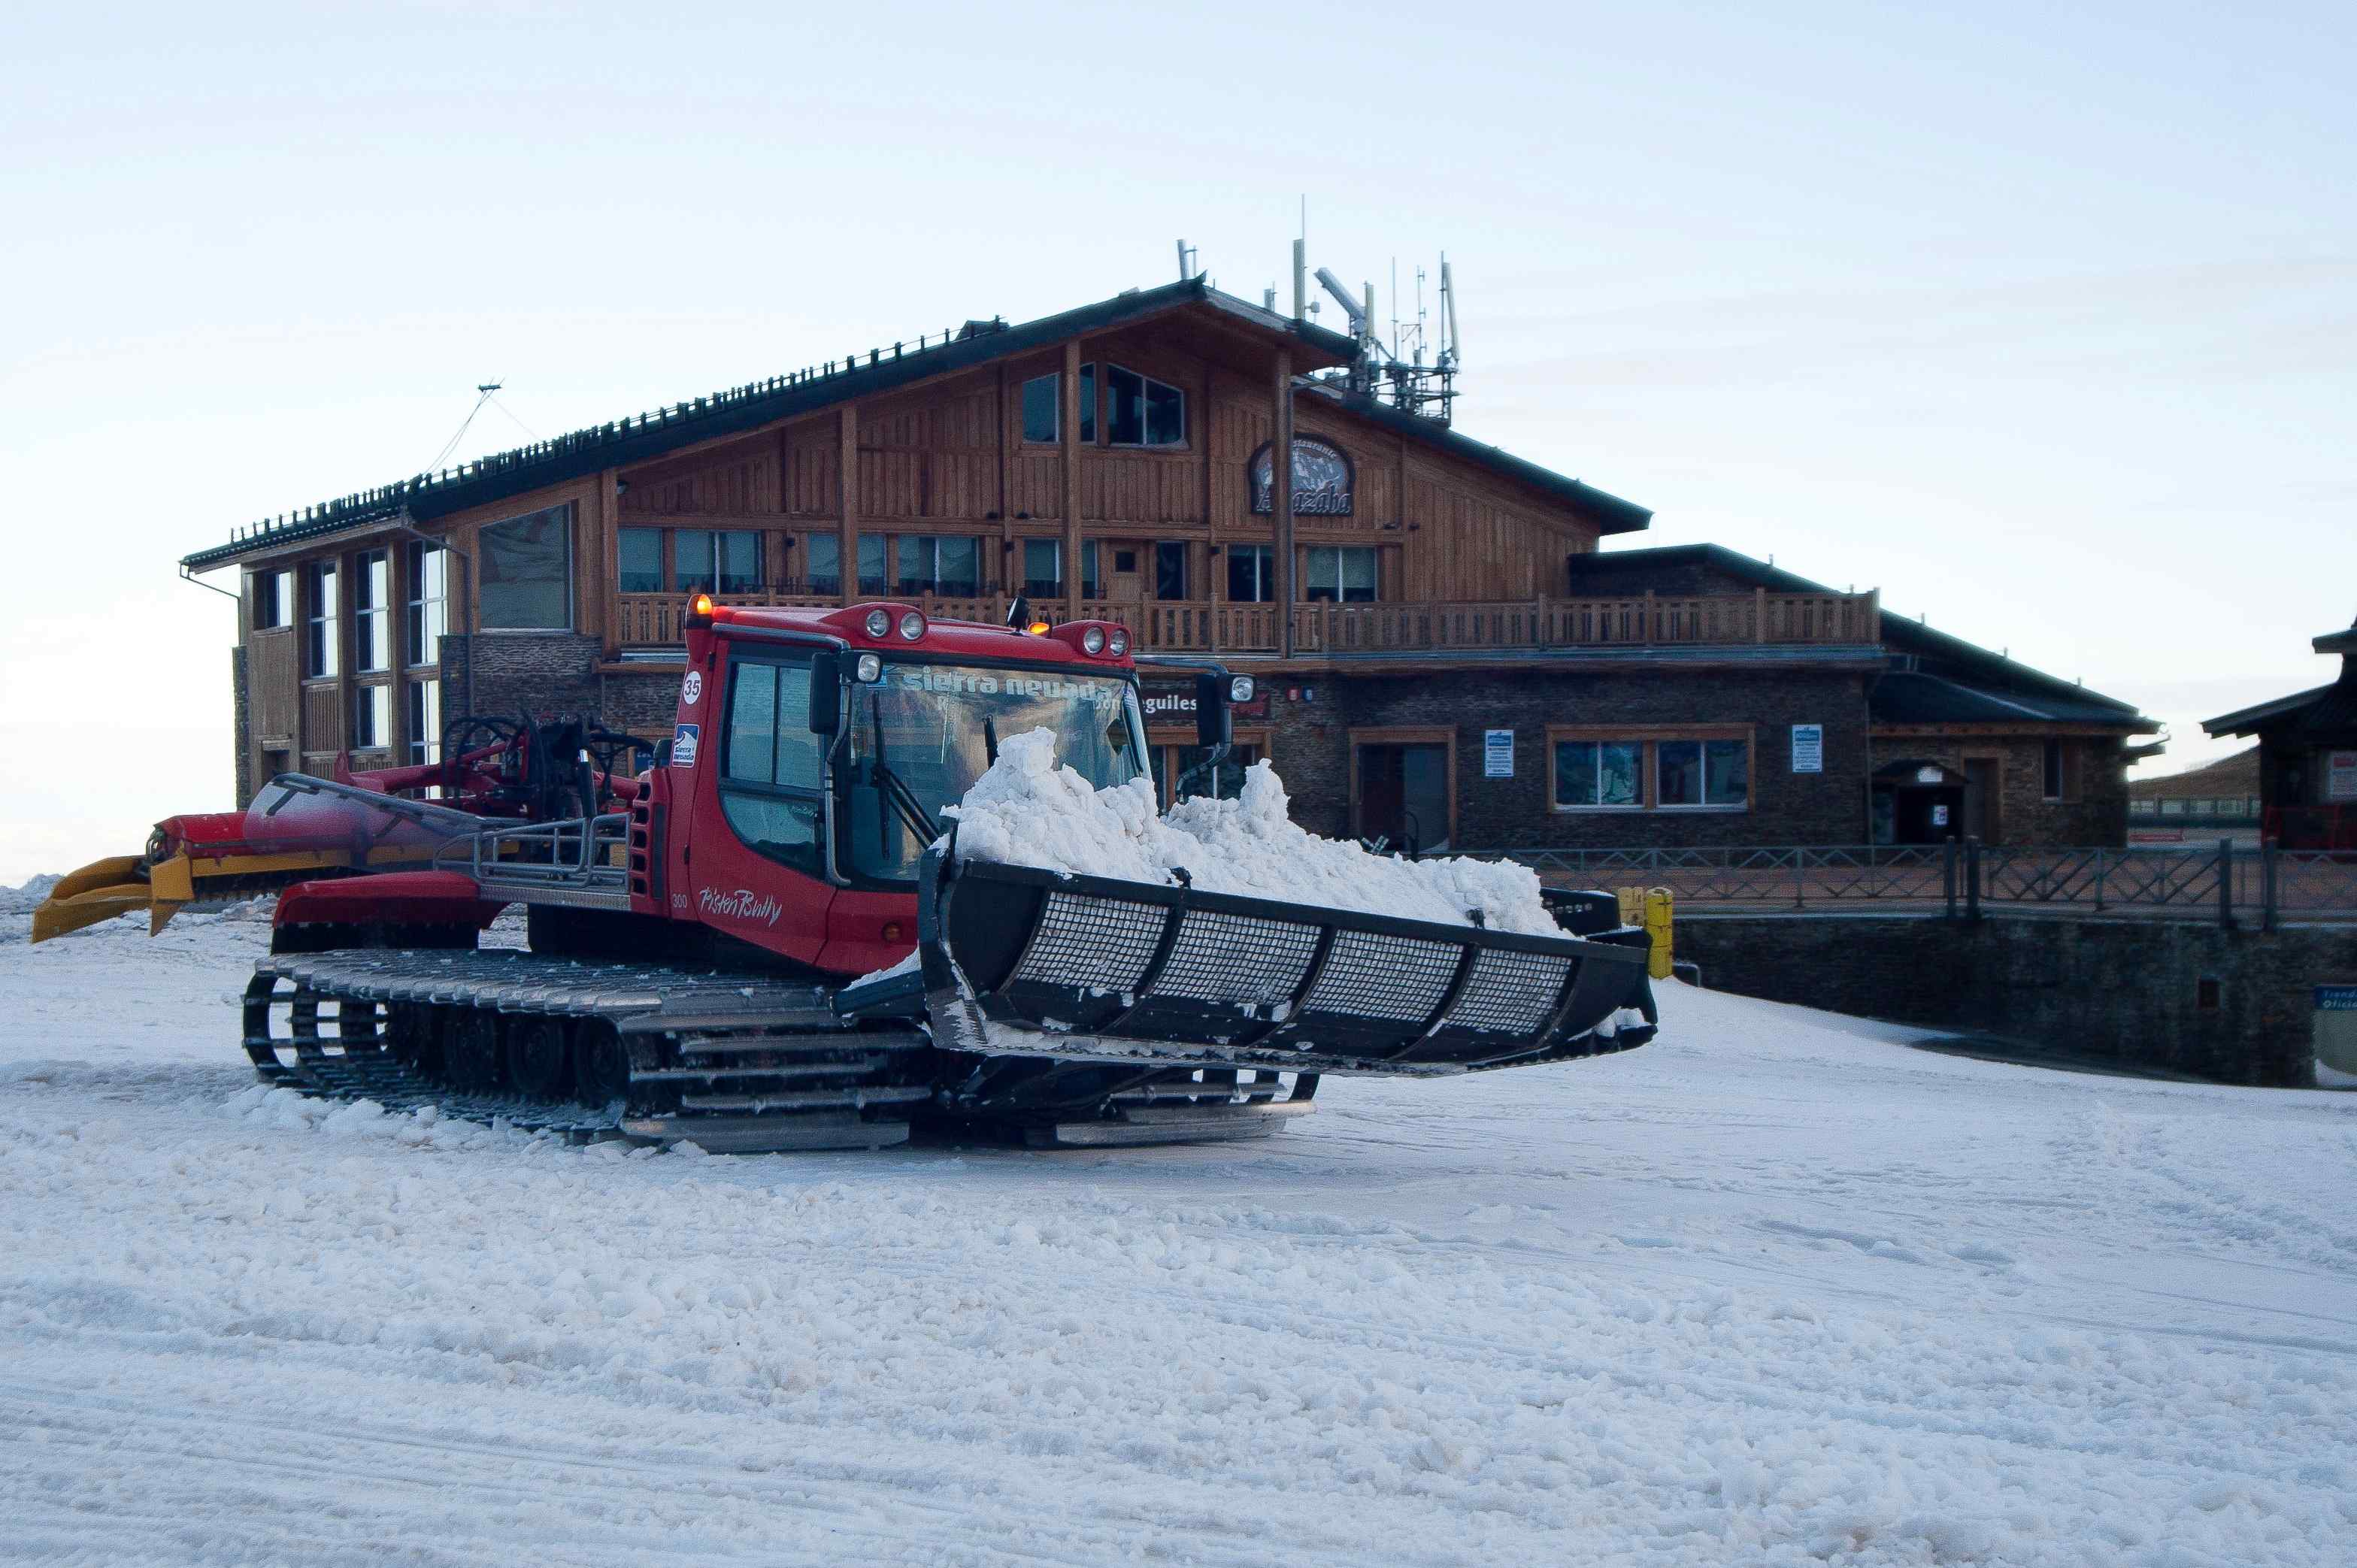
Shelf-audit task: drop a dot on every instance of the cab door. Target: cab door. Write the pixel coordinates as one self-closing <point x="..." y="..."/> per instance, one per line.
<point x="758" y="867"/>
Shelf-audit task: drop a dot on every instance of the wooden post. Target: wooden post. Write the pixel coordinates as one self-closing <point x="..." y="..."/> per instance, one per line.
<point x="847" y="494"/>
<point x="1280" y="500"/>
<point x="1068" y="428"/>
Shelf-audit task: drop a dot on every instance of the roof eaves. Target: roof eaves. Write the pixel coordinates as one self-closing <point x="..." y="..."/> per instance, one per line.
<point x="581" y="452"/>
<point x="1608" y="512"/>
<point x="2243" y="721"/>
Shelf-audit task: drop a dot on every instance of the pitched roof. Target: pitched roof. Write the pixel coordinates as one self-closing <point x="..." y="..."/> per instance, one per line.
<point x="1606" y="512"/>
<point x="625" y="441"/>
<point x="2228" y="776"/>
<point x="1942" y="679"/>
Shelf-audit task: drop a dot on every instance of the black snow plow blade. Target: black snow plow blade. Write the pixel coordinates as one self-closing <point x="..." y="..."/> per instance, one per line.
<point x="1021" y="961"/>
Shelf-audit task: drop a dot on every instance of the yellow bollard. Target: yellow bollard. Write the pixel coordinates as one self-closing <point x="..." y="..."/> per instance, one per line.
<point x="1633" y="905"/>
<point x="1658" y="907"/>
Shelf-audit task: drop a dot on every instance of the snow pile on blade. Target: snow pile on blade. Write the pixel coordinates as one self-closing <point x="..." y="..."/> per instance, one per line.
<point x="1025" y="811"/>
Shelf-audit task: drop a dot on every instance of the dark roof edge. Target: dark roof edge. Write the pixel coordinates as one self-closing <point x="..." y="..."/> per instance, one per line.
<point x="1606" y="511"/>
<point x="1896" y="628"/>
<point x="2240" y="720"/>
<point x="577" y="453"/>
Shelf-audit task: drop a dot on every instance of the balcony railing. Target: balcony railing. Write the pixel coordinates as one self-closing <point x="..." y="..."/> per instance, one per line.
<point x="1203" y="625"/>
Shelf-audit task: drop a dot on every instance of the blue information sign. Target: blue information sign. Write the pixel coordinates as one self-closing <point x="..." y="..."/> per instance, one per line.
<point x="2336" y="998"/>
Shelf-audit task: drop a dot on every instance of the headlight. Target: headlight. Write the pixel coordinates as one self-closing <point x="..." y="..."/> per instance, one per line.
<point x="879" y="622"/>
<point x="912" y="626"/>
<point x="1092" y="640"/>
<point x="1240" y="690"/>
<point x="1119" y="642"/>
<point x="871" y="668"/>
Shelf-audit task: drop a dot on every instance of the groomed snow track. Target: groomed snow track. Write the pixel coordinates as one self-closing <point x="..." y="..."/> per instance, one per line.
<point x="583" y="1049"/>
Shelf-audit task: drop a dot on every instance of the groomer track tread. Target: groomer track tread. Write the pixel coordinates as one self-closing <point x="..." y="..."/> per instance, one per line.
<point x="583" y="1049"/>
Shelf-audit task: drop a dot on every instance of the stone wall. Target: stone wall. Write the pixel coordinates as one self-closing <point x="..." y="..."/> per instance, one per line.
<point x="2182" y="996"/>
<point x="497" y="673"/>
<point x="1312" y="743"/>
<point x="241" y="725"/>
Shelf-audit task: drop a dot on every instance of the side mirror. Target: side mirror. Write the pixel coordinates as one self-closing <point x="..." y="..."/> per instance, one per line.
<point x="1214" y="721"/>
<point x="826" y="692"/>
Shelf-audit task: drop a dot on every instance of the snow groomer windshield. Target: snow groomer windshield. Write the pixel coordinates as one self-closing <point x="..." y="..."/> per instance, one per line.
<point x="922" y="734"/>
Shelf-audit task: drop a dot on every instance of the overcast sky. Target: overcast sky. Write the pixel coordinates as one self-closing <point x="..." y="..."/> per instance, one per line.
<point x="2043" y="319"/>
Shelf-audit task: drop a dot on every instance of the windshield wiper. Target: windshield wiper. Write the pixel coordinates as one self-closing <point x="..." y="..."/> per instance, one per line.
<point x="893" y="792"/>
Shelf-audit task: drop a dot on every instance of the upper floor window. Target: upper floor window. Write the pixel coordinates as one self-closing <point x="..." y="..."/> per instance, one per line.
<point x="2051" y="770"/>
<point x="1043" y="568"/>
<point x="640" y="560"/>
<point x="371" y="651"/>
<point x="1040" y="413"/>
<point x="1170" y="569"/>
<point x="1342" y="572"/>
<point x="871" y="580"/>
<point x="425" y="721"/>
<point x="524" y="572"/>
<point x="273" y="599"/>
<point x="717" y="560"/>
<point x="1252" y="573"/>
<point x="429" y="603"/>
<point x="822" y="564"/>
<point x="928" y="564"/>
<point x="321" y="634"/>
<point x="1143" y="412"/>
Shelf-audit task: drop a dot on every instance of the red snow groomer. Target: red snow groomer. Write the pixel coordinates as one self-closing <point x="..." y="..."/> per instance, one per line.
<point x="693" y="928"/>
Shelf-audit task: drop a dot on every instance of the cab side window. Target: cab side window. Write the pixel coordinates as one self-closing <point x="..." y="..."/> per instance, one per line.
<point x="772" y="764"/>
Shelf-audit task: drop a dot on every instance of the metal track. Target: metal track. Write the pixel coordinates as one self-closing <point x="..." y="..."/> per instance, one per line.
<point x="736" y="1063"/>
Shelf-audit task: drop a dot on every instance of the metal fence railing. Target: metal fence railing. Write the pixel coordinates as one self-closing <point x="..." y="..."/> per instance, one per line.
<point x="2259" y="885"/>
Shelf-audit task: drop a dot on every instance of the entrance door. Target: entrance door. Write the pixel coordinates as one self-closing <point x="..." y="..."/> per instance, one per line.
<point x="1931" y="815"/>
<point x="1403" y="797"/>
<point x="1127" y="583"/>
<point x="1981" y="798"/>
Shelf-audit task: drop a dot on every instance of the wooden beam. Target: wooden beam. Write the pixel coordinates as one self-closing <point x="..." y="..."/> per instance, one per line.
<point x="1280" y="497"/>
<point x="1069" y="429"/>
<point x="847" y="498"/>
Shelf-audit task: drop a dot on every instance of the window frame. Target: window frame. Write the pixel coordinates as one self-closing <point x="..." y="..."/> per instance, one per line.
<point x="783" y="659"/>
<point x="561" y="515"/>
<point x="1055" y="436"/>
<point x="1029" y="589"/>
<point x="1146" y="385"/>
<point x="374" y="701"/>
<point x="1265" y="578"/>
<point x="1651" y="738"/>
<point x="422" y="715"/>
<point x="271" y="601"/>
<point x="2054" y="771"/>
<point x="1164" y="552"/>
<point x="425" y="619"/>
<point x="322" y="611"/>
<point x="663" y="559"/>
<point x="1341" y="593"/>
<point x="1554" y="764"/>
<point x="371" y="612"/>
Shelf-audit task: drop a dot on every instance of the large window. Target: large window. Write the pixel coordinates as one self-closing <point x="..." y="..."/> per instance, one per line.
<point x="871" y="580"/>
<point x="1599" y="771"/>
<point x="717" y="560"/>
<point x="425" y="721"/>
<point x="1170" y="570"/>
<point x="525" y="572"/>
<point x="429" y="603"/>
<point x="1091" y="587"/>
<point x="372" y="717"/>
<point x="822" y="564"/>
<point x="1593" y="775"/>
<point x="926" y="565"/>
<point x="1041" y="417"/>
<point x="1043" y="568"/>
<point x="770" y="767"/>
<point x="640" y="560"/>
<point x="1252" y="573"/>
<point x="371" y="615"/>
<point x="1345" y="572"/>
<point x="1702" y="773"/>
<point x="273" y="599"/>
<point x="1143" y="412"/>
<point x="320" y="633"/>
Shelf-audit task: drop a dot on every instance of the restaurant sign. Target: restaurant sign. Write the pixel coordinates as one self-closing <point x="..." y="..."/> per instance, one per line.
<point x="1321" y="480"/>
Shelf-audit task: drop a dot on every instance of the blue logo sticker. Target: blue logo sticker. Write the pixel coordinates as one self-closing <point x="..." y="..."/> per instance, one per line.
<point x="682" y="747"/>
<point x="2336" y="998"/>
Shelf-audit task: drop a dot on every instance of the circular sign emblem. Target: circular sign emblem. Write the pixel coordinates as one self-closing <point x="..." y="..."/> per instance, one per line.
<point x="692" y="688"/>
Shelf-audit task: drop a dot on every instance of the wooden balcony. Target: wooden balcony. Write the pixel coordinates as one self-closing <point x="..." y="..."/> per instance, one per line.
<point x="648" y="621"/>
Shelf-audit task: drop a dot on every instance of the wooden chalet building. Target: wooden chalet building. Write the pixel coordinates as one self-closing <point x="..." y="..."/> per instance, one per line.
<point x="1444" y="658"/>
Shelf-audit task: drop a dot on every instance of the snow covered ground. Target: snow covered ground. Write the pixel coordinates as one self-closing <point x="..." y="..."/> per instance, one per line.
<point x="1776" y="1289"/>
